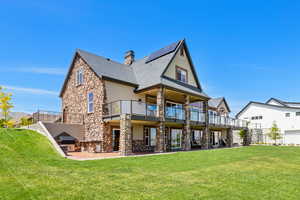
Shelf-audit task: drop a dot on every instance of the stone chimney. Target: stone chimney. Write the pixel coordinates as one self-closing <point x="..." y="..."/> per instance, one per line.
<point x="129" y="57"/>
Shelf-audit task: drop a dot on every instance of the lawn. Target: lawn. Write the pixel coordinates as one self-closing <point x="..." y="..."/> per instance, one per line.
<point x="31" y="169"/>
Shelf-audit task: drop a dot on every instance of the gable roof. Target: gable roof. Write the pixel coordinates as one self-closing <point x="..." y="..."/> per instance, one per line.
<point x="141" y="74"/>
<point x="265" y="104"/>
<point x="215" y="102"/>
<point x="284" y="103"/>
<point x="276" y="100"/>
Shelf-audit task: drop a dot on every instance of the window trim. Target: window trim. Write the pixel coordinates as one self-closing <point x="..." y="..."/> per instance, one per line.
<point x="90" y="102"/>
<point x="79" y="79"/>
<point x="149" y="136"/>
<point x="288" y="114"/>
<point x="182" y="69"/>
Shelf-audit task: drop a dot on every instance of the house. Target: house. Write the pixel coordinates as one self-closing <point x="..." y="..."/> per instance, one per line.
<point x="144" y="105"/>
<point x="285" y="114"/>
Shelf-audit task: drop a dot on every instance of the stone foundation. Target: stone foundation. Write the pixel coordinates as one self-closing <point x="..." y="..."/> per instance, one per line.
<point x="139" y="146"/>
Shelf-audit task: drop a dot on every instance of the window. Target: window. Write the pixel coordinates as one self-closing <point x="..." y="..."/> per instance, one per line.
<point x="181" y="75"/>
<point x="90" y="102"/>
<point x="287" y="114"/>
<point x="150" y="136"/>
<point x="79" y="76"/>
<point x="297" y="113"/>
<point x="256" y="117"/>
<point x="196" y="137"/>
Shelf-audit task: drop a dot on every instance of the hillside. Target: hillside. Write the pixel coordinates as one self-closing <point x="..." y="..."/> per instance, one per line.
<point x="31" y="169"/>
<point x="16" y="116"/>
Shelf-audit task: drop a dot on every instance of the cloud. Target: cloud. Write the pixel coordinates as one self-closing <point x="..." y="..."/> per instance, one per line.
<point x="41" y="70"/>
<point x="30" y="90"/>
<point x="36" y="70"/>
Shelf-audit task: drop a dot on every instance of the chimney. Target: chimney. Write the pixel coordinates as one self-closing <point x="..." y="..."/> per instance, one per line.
<point x="129" y="57"/>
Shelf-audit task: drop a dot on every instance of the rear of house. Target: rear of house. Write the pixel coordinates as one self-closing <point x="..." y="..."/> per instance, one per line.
<point x="154" y="104"/>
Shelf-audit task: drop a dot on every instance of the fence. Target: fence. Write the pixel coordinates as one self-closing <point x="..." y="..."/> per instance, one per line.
<point x="57" y="117"/>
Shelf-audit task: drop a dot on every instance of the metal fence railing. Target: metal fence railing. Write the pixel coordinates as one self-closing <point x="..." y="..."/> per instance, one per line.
<point x="134" y="107"/>
<point x="57" y="117"/>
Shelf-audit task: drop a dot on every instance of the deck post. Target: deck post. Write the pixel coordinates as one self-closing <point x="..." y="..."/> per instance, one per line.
<point x="160" y="136"/>
<point x="186" y="133"/>
<point x="125" y="135"/>
<point x="206" y="132"/>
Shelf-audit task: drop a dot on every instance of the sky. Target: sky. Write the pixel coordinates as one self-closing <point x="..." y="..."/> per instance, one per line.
<point x="242" y="50"/>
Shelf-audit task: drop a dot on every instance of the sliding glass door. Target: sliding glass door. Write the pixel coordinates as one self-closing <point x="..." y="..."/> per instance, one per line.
<point x="176" y="139"/>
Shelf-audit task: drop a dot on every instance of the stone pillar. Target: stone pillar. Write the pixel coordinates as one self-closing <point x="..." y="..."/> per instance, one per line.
<point x="125" y="135"/>
<point x="229" y="138"/>
<point x="186" y="133"/>
<point x="206" y="132"/>
<point x="160" y="135"/>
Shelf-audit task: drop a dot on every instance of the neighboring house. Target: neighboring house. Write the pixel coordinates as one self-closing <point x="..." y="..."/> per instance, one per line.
<point x="143" y="105"/>
<point x="219" y="106"/>
<point x="285" y="114"/>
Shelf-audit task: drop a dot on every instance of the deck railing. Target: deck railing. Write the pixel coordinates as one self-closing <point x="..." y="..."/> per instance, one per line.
<point x="57" y="117"/>
<point x="129" y="107"/>
<point x="177" y="113"/>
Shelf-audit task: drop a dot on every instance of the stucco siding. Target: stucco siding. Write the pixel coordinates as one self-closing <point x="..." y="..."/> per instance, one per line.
<point x="116" y="91"/>
<point x="138" y="132"/>
<point x="183" y="62"/>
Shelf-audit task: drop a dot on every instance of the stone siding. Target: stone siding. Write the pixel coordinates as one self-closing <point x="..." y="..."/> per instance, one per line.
<point x="74" y="100"/>
<point x="139" y="146"/>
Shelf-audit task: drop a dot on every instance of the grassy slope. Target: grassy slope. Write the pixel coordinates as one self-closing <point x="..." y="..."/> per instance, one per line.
<point x="31" y="169"/>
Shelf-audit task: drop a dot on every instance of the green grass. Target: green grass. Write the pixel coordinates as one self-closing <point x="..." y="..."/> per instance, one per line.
<point x="31" y="169"/>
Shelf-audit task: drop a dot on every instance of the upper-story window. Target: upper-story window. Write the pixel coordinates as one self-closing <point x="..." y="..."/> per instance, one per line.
<point x="181" y="74"/>
<point x="287" y="114"/>
<point x="90" y="102"/>
<point x="256" y="117"/>
<point x="79" y="76"/>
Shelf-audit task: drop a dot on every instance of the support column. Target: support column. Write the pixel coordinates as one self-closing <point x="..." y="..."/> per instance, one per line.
<point x="206" y="132"/>
<point x="186" y="133"/>
<point x="125" y="135"/>
<point x="160" y="135"/>
<point x="229" y="138"/>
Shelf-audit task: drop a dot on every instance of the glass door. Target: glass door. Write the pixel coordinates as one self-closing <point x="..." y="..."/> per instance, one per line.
<point x="116" y="139"/>
<point x="176" y="139"/>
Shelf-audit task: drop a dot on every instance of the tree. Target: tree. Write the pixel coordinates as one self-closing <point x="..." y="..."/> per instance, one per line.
<point x="243" y="135"/>
<point x="274" y="133"/>
<point x="5" y="106"/>
<point x="25" y="121"/>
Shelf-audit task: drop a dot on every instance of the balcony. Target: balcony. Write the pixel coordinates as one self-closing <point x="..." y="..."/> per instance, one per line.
<point x="145" y="111"/>
<point x="137" y="109"/>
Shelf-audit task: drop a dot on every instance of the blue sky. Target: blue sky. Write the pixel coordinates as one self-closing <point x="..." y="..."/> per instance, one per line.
<point x="242" y="50"/>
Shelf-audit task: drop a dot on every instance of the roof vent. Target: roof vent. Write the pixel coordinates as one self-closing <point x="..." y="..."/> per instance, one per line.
<point x="129" y="57"/>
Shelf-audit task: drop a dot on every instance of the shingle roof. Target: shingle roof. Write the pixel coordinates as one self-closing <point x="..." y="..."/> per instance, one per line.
<point x="140" y="73"/>
<point x="104" y="67"/>
<point x="215" y="102"/>
<point x="74" y="130"/>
